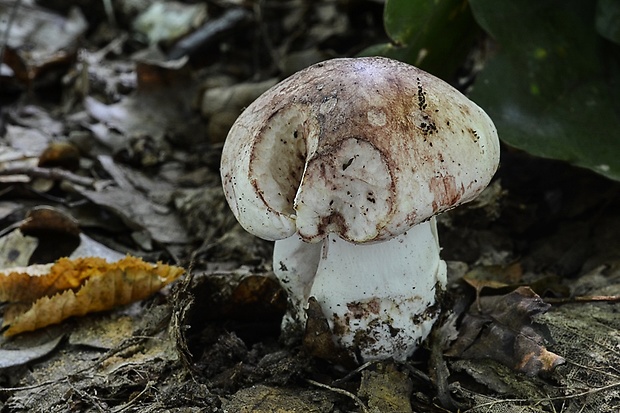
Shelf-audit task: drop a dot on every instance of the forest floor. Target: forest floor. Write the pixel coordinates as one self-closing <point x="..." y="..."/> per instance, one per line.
<point x="113" y="127"/>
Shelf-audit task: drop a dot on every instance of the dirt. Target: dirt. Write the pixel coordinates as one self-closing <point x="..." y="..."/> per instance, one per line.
<point x="145" y="181"/>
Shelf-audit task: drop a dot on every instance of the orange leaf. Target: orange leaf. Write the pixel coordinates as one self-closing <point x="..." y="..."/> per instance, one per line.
<point x="90" y="285"/>
<point x="26" y="284"/>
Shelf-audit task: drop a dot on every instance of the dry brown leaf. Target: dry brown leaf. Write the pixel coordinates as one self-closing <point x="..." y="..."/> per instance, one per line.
<point x="40" y="40"/>
<point x="504" y="329"/>
<point x="76" y="287"/>
<point x="494" y="277"/>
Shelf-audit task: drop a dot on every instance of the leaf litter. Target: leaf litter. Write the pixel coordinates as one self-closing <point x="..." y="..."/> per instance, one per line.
<point x="136" y="171"/>
<point x="502" y="328"/>
<point x="77" y="287"/>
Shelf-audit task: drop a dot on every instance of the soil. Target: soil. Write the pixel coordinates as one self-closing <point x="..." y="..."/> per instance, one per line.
<point x="141" y="177"/>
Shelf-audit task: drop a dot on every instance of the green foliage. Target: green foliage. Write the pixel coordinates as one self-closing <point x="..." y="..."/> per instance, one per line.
<point x="434" y="35"/>
<point x="552" y="88"/>
<point x="608" y="19"/>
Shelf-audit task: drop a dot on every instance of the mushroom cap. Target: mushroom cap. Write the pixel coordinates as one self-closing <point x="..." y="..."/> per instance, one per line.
<point x="361" y="147"/>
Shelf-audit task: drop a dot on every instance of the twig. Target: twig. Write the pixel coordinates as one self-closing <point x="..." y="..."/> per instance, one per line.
<point x="341" y="391"/>
<point x="439" y="370"/>
<point x="94" y="400"/>
<point x="354" y="372"/>
<point x="208" y="33"/>
<point x="149" y="386"/>
<point x="55" y="174"/>
<point x="583" y="299"/>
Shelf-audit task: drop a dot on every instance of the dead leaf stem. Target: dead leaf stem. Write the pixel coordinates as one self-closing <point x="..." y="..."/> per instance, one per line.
<point x="133" y="401"/>
<point x="583" y="299"/>
<point x="354" y="372"/>
<point x="55" y="174"/>
<point x="338" y="390"/>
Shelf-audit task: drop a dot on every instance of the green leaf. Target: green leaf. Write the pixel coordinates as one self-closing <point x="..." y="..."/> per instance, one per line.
<point x="608" y="19"/>
<point x="434" y="35"/>
<point x="553" y="88"/>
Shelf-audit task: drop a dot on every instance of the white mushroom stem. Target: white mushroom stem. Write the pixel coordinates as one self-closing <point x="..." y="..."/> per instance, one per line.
<point x="378" y="298"/>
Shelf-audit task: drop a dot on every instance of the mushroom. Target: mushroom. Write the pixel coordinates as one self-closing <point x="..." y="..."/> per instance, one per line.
<point x="344" y="165"/>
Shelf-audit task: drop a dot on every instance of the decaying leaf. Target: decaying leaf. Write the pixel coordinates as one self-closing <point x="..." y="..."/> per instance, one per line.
<point x="166" y="21"/>
<point x="317" y="338"/>
<point x="494" y="277"/>
<point x="505" y="278"/>
<point x="39" y="39"/>
<point x="386" y="388"/>
<point x="267" y="399"/>
<point x="501" y="328"/>
<point x="16" y="248"/>
<point x="17" y="357"/>
<point x="48" y="294"/>
<point x="139" y="212"/>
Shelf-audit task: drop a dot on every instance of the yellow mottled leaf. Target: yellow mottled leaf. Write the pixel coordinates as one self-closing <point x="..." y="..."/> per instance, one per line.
<point x="93" y="285"/>
<point x="26" y="284"/>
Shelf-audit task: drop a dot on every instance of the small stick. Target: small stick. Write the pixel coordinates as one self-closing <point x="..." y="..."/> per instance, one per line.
<point x="583" y="299"/>
<point x="209" y="32"/>
<point x="55" y="174"/>
<point x="341" y="391"/>
<point x="354" y="372"/>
